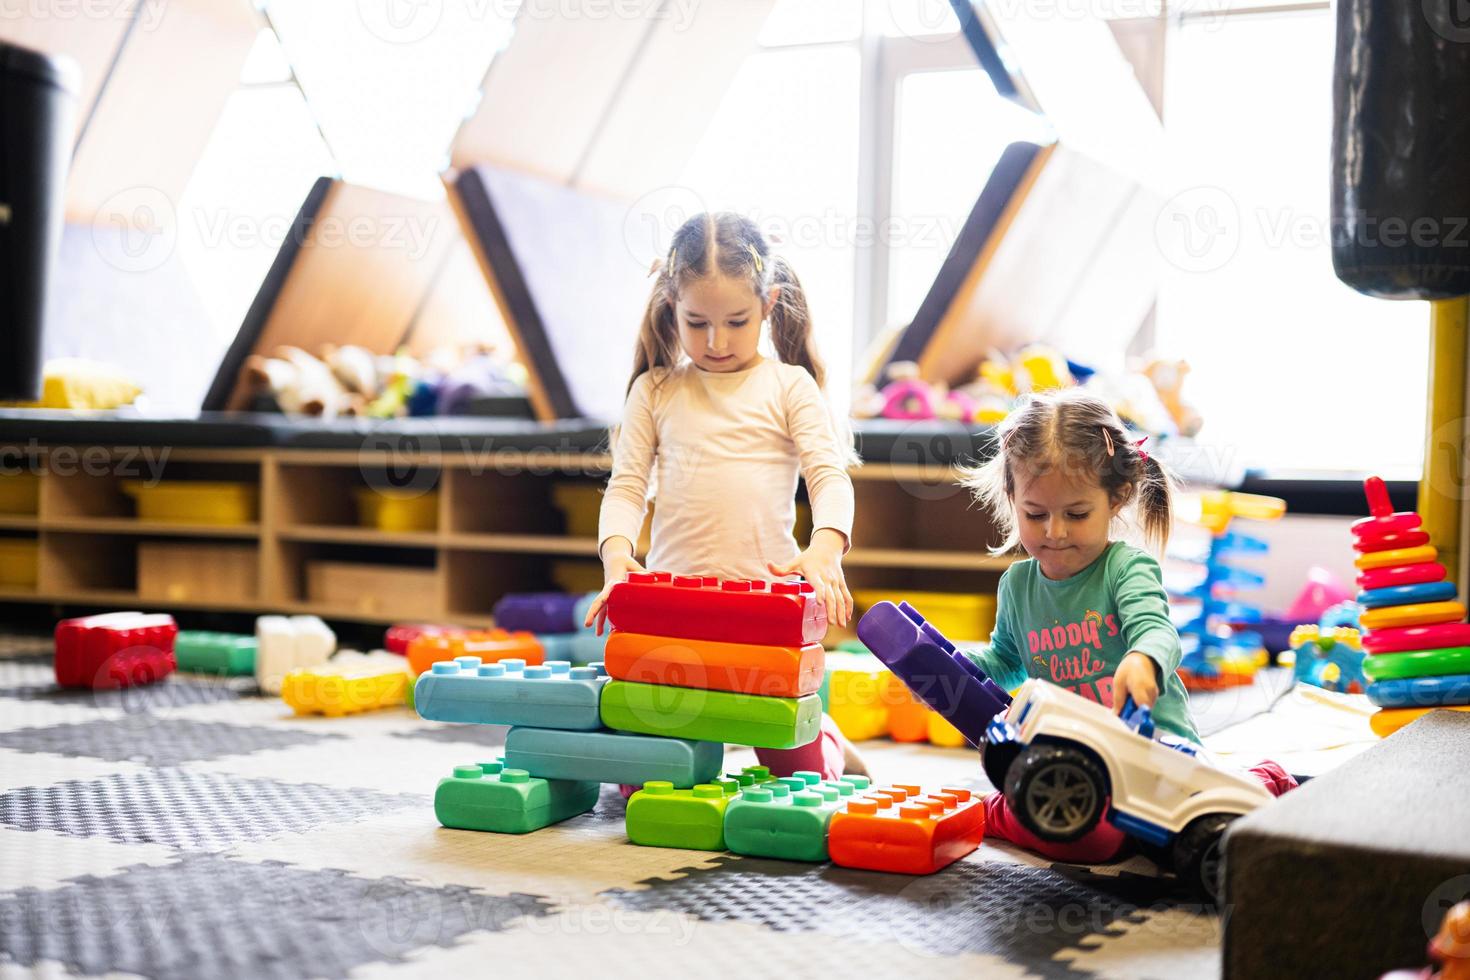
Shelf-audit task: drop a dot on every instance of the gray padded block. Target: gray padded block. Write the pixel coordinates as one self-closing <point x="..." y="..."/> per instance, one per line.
<point x="1349" y="875"/>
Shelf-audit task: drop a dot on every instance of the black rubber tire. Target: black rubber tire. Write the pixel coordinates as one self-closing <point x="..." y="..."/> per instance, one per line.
<point x="1057" y="791"/>
<point x="1199" y="855"/>
<point x="997" y="760"/>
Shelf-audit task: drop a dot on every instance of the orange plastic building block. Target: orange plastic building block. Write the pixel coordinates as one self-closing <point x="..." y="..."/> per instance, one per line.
<point x="906" y="831"/>
<point x="490" y="646"/>
<point x="908" y="717"/>
<point x="743" y="668"/>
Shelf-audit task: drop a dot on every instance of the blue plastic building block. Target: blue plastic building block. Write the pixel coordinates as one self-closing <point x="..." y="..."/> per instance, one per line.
<point x="587" y="648"/>
<point x="489" y="797"/>
<point x="552" y="695"/>
<point x="941" y="676"/>
<point x="613" y="757"/>
<point x="556" y="646"/>
<point x="537" y="612"/>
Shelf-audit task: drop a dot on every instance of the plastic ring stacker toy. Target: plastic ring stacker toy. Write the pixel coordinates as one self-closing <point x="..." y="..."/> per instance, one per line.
<point x="1396" y="556"/>
<point x="1402" y="595"/>
<point x="1389" y="720"/>
<point x="1392" y="541"/>
<point x="1404" y="520"/>
<point x="1414" y="614"/>
<point x="1417" y="663"/>
<point x="1417" y="638"/>
<point x="1382" y="578"/>
<point x="1421" y="692"/>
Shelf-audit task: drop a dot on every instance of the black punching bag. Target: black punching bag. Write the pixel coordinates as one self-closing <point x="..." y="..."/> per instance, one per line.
<point x="1401" y="148"/>
<point x="37" y="97"/>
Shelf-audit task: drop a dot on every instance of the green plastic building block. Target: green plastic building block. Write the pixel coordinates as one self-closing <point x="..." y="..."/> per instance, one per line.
<point x="661" y="816"/>
<point x="206" y="652"/>
<point x="489" y="797"/>
<point x="792" y="826"/>
<point x="711" y="716"/>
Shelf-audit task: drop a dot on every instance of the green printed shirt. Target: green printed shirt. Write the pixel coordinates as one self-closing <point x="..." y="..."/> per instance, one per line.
<point x="1075" y="631"/>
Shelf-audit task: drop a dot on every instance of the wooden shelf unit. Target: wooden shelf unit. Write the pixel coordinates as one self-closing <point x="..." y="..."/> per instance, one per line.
<point x="498" y="530"/>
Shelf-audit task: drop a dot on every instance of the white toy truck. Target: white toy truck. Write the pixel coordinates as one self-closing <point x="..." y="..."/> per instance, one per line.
<point x="1060" y="757"/>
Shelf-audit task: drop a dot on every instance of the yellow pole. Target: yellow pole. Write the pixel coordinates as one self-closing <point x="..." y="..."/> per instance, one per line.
<point x="1443" y="488"/>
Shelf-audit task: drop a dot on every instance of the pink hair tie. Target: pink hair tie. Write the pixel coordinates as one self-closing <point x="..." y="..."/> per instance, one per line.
<point x="1139" y="446"/>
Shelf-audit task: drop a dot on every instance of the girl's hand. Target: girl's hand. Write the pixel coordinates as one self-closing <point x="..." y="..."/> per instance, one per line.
<point x="1138" y="678"/>
<point x="821" y="565"/>
<point x="617" y="564"/>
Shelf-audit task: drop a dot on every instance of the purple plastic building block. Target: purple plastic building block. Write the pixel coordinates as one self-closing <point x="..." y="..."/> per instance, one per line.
<point x="537" y="612"/>
<point x="941" y="676"/>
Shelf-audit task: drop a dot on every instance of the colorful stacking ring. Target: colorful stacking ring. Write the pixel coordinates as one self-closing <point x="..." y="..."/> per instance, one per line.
<point x="1397" y="556"/>
<point x="1391" y="541"/>
<point x="1417" y="663"/>
<point x="1390" y="720"/>
<point x="1414" y="614"/>
<point x="1421" y="692"/>
<point x="1382" y="578"/>
<point x="1402" y="595"/>
<point x="1417" y="638"/>
<point x="1404" y="520"/>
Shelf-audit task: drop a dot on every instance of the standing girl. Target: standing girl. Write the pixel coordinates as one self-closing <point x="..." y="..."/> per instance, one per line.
<point x="723" y="432"/>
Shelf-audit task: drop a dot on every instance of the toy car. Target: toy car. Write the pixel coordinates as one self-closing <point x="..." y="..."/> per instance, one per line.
<point x="1060" y="758"/>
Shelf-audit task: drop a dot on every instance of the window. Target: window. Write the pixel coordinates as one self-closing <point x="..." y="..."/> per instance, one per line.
<point x="1291" y="369"/>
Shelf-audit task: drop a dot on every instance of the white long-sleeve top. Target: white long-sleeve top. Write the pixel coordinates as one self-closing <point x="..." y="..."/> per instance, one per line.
<point x="728" y="448"/>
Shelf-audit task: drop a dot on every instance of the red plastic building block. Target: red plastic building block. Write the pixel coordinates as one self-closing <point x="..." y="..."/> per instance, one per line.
<point x="121" y="649"/>
<point x="901" y="829"/>
<point x="736" y="611"/>
<point x="396" y="639"/>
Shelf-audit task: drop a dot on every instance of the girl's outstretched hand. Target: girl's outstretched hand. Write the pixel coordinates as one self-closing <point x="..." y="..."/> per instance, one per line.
<point x="617" y="565"/>
<point x="1138" y="678"/>
<point x="821" y="565"/>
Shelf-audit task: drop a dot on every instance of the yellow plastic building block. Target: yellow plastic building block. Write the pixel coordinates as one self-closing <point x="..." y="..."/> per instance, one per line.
<point x="854" y="695"/>
<point x="958" y="615"/>
<point x="347" y="684"/>
<point x="942" y="733"/>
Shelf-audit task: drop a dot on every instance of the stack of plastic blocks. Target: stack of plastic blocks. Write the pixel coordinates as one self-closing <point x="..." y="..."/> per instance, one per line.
<point x="1415" y="632"/>
<point x="121" y="649"/>
<point x="904" y="830"/>
<point x="287" y="643"/>
<point x="429" y="648"/>
<point x="664" y="815"/>
<point x="736" y="661"/>
<point x="556" y="619"/>
<point x="348" y="683"/>
<point x="222" y="654"/>
<point x="490" y="797"/>
<point x="930" y="666"/>
<point x="788" y="818"/>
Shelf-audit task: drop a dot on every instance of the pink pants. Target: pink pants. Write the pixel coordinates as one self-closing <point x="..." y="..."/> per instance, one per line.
<point x="1103" y="842"/>
<point x="824" y="755"/>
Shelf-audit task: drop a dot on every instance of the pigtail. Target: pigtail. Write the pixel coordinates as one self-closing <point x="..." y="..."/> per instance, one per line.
<point x="993" y="484"/>
<point x="1156" y="487"/>
<point x="791" y="322"/>
<point x="658" y="340"/>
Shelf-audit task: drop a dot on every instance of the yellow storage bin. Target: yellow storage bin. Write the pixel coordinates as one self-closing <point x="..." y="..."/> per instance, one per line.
<point x="942" y="733"/>
<point x="19" y="561"/>
<point x="397" y="510"/>
<point x="959" y="616"/>
<point x="577" y="576"/>
<point x="20" y="493"/>
<point x="195" y="502"/>
<point x="581" y="503"/>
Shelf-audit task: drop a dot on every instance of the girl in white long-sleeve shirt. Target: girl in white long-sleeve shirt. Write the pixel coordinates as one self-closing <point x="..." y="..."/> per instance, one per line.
<point x="727" y="431"/>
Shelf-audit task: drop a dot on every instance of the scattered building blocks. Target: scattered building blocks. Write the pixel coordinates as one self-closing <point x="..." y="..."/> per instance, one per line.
<point x="661" y="816"/>
<point x="205" y="652"/>
<point x="942" y="733"/>
<point x="489" y="797"/>
<point x="711" y="716"/>
<point x="613" y="757"/>
<point x="537" y="612"/>
<point x="735" y="611"/>
<point x="746" y="668"/>
<point x="903" y="830"/>
<point x="789" y="826"/>
<point x="489" y="646"/>
<point x="509" y="692"/>
<point x="931" y="667"/>
<point x="908" y="717"/>
<point x="347" y="684"/>
<point x="397" y="638"/>
<point x="284" y="644"/>
<point x="852" y="693"/>
<point x="1331" y="659"/>
<point x="121" y="649"/>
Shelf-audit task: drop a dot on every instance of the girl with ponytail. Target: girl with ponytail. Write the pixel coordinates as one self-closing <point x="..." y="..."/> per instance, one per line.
<point x="722" y="433"/>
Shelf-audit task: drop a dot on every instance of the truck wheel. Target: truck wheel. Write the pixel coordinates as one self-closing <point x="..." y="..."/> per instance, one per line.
<point x="1056" y="791"/>
<point x="997" y="761"/>
<point x="1199" y="856"/>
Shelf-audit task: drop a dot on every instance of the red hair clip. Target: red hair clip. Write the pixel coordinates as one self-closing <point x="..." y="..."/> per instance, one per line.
<point x="1139" y="446"/>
